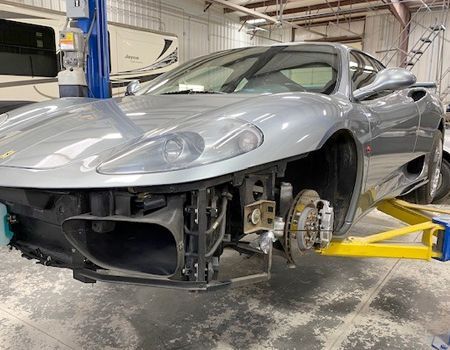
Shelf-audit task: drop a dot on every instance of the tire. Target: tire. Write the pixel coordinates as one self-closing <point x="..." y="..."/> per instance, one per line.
<point x="444" y="184"/>
<point x="426" y="193"/>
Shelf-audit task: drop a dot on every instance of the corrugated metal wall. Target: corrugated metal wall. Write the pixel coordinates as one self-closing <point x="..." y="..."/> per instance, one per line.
<point x="381" y="31"/>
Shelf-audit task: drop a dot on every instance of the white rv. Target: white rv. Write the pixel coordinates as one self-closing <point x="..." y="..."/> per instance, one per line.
<point x="28" y="63"/>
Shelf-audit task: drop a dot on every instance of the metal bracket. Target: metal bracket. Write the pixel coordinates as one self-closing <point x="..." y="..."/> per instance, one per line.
<point x="435" y="243"/>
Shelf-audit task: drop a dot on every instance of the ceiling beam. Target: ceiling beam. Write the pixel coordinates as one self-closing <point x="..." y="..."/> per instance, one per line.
<point x="253" y="14"/>
<point x="334" y="21"/>
<point x="255" y="5"/>
<point x="340" y="39"/>
<point x="315" y="7"/>
<point x="256" y="14"/>
<point x="302" y="19"/>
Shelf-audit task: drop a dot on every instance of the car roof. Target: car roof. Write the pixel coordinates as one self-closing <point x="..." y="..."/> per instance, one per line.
<point x="294" y="43"/>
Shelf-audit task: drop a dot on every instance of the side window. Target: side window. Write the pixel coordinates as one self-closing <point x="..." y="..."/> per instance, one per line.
<point x="27" y="49"/>
<point x="362" y="70"/>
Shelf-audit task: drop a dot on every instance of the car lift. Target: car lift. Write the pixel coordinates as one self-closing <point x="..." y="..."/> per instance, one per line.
<point x="85" y="44"/>
<point x="435" y="243"/>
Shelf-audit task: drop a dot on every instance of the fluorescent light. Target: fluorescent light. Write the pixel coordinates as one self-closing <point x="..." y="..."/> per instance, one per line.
<point x="256" y="21"/>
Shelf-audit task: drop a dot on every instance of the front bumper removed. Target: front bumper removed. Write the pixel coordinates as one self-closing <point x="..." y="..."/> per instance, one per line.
<point x="123" y="237"/>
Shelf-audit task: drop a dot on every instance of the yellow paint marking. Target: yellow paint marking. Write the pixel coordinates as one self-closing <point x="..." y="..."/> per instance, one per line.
<point x="7" y="154"/>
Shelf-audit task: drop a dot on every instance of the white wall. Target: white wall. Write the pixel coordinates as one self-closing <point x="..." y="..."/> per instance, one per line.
<point x="199" y="32"/>
<point x="381" y="31"/>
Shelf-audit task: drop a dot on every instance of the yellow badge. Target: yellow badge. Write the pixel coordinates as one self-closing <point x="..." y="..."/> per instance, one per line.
<point x="7" y="154"/>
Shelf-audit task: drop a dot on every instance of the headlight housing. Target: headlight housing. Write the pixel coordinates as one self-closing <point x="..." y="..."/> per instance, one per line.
<point x="188" y="145"/>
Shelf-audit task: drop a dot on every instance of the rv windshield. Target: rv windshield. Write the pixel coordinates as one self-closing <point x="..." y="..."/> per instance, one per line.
<point x="303" y="67"/>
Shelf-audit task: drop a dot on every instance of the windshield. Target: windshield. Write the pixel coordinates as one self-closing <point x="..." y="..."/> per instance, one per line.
<point x="304" y="67"/>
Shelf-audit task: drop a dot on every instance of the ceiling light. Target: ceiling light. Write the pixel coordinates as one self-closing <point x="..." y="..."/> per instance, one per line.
<point x="256" y="21"/>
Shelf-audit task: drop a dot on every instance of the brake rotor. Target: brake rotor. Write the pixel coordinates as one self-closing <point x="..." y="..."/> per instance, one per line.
<point x="302" y="225"/>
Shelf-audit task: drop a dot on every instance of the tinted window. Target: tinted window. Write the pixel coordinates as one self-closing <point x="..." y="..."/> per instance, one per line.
<point x="362" y="70"/>
<point x="27" y="49"/>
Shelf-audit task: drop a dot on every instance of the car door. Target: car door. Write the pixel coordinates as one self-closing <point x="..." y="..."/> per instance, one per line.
<point x="394" y="121"/>
<point x="430" y="117"/>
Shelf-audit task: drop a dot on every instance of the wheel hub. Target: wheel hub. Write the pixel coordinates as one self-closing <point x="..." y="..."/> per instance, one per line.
<point x="309" y="223"/>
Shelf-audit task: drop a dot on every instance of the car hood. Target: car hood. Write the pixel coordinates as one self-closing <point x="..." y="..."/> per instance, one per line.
<point x="60" y="144"/>
<point x="55" y="133"/>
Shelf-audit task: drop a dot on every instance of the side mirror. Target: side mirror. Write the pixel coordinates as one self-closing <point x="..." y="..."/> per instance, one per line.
<point x="132" y="87"/>
<point x="387" y="79"/>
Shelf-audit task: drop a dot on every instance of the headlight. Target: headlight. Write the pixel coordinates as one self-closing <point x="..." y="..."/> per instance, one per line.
<point x="3" y="118"/>
<point x="183" y="147"/>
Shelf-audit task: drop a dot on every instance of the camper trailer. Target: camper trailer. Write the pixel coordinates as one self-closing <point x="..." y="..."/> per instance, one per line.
<point x="30" y="60"/>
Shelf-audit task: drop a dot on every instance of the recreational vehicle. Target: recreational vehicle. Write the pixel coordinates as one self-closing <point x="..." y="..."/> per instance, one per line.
<point x="30" y="60"/>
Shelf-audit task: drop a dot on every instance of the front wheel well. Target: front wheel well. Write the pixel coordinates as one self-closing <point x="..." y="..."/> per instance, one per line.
<point x="331" y="171"/>
<point x="446" y="156"/>
<point x="441" y="126"/>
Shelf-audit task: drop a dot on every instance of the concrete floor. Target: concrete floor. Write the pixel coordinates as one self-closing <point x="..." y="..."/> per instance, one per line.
<point x="326" y="303"/>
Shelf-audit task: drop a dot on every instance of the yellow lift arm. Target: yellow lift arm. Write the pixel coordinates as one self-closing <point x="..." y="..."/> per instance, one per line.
<point x="435" y="231"/>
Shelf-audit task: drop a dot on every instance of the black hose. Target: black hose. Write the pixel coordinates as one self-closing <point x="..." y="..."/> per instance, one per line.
<point x="220" y="220"/>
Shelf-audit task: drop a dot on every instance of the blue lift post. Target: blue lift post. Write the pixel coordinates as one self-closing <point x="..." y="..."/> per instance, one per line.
<point x="445" y="239"/>
<point x="98" y="62"/>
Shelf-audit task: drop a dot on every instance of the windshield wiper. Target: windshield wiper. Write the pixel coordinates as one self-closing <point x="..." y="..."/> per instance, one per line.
<point x="190" y="91"/>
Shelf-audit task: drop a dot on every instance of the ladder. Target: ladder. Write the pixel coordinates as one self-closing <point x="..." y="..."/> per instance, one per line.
<point x="422" y="44"/>
<point x="427" y="35"/>
<point x="444" y="87"/>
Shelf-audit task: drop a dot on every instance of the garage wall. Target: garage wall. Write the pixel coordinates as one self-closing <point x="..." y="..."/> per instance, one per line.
<point x="199" y="32"/>
<point x="380" y="33"/>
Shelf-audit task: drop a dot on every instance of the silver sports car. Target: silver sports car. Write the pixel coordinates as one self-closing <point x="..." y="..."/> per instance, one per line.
<point x="261" y="149"/>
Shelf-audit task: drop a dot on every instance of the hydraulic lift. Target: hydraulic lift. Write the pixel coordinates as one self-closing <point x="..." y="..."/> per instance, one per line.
<point x="435" y="232"/>
<point x="84" y="43"/>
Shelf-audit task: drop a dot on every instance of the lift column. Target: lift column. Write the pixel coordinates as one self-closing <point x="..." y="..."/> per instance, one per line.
<point x="98" y="62"/>
<point x="85" y="44"/>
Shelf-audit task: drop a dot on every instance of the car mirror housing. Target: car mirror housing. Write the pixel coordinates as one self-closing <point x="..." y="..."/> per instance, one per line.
<point x="387" y="79"/>
<point x="132" y="87"/>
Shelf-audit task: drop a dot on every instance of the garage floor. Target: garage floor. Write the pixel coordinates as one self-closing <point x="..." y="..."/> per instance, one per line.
<point x="327" y="303"/>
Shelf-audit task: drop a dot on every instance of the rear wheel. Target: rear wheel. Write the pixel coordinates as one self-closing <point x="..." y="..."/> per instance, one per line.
<point x="443" y="191"/>
<point x="426" y="193"/>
